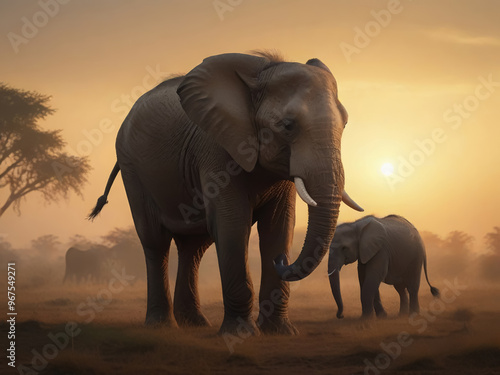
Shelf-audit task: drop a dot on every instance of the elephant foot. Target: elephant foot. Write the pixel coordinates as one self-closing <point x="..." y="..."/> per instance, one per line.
<point x="160" y="320"/>
<point x="192" y="319"/>
<point x="381" y="314"/>
<point x="365" y="321"/>
<point x="363" y="324"/>
<point x="278" y="326"/>
<point x="240" y="327"/>
<point x="365" y="317"/>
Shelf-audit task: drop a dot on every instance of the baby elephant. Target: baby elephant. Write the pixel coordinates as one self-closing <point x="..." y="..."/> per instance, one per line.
<point x="388" y="250"/>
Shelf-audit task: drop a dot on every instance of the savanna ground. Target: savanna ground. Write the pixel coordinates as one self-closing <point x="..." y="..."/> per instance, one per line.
<point x="460" y="334"/>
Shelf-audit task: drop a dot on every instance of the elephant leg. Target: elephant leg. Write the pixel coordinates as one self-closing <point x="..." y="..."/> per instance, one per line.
<point x="229" y="223"/>
<point x="276" y="220"/>
<point x="413" y="285"/>
<point x="377" y="305"/>
<point x="186" y="299"/>
<point x="155" y="240"/>
<point x="413" y="292"/>
<point x="369" y="290"/>
<point x="361" y="277"/>
<point x="403" y="299"/>
<point x="375" y="271"/>
<point x="367" y="298"/>
<point x="159" y="302"/>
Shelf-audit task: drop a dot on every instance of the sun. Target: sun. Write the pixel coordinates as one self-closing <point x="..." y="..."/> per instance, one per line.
<point x="387" y="169"/>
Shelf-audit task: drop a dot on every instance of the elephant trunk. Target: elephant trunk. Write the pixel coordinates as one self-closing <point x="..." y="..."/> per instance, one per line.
<point x="334" y="277"/>
<point x="327" y="193"/>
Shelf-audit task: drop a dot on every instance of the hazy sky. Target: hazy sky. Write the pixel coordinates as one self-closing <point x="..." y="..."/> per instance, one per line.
<point x="406" y="73"/>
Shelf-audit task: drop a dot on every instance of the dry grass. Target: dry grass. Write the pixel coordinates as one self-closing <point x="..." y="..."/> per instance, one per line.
<point x="463" y="338"/>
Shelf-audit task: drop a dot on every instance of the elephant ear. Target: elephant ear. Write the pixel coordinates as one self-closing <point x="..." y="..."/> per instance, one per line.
<point x="372" y="239"/>
<point x="216" y="96"/>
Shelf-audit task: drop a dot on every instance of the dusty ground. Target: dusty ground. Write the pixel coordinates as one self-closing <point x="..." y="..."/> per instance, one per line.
<point x="459" y="335"/>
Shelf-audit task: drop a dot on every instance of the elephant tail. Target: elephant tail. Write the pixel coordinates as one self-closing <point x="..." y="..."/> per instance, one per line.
<point x="434" y="291"/>
<point x="103" y="199"/>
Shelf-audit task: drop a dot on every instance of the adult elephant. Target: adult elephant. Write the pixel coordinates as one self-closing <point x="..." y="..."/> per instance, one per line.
<point x="388" y="250"/>
<point x="91" y="265"/>
<point x="206" y="167"/>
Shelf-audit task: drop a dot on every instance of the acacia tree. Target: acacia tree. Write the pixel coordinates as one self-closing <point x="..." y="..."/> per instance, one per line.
<point x="123" y="237"/>
<point x="490" y="262"/>
<point x="458" y="241"/>
<point x="457" y="248"/>
<point x="492" y="240"/>
<point x="126" y="247"/>
<point x="32" y="159"/>
<point x="450" y="256"/>
<point x="46" y="245"/>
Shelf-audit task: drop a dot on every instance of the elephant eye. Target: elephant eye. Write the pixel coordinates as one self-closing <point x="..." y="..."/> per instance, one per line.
<point x="288" y="124"/>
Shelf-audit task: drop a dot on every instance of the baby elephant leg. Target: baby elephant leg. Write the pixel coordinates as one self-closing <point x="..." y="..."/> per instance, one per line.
<point x="374" y="272"/>
<point x="369" y="291"/>
<point x="377" y="305"/>
<point x="403" y="299"/>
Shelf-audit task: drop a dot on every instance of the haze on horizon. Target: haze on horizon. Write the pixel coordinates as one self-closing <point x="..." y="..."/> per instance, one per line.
<point x="423" y="93"/>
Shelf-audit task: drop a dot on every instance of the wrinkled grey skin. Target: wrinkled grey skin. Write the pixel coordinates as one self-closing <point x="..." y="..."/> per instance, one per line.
<point x="243" y="128"/>
<point x="388" y="250"/>
<point x="93" y="265"/>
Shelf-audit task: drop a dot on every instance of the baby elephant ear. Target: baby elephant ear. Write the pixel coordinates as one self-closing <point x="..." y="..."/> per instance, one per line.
<point x="215" y="96"/>
<point x="372" y="239"/>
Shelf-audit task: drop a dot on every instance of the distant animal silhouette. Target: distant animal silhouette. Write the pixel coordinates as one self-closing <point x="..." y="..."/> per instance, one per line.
<point x="91" y="265"/>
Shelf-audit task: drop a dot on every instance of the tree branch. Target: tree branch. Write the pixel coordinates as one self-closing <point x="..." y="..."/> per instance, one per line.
<point x="7" y="150"/>
<point x="10" y="167"/>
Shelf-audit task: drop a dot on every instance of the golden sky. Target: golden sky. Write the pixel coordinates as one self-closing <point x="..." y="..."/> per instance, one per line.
<point x="413" y="75"/>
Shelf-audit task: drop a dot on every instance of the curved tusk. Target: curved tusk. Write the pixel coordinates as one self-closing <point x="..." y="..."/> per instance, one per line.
<point x="301" y="189"/>
<point x="348" y="200"/>
<point x="331" y="273"/>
